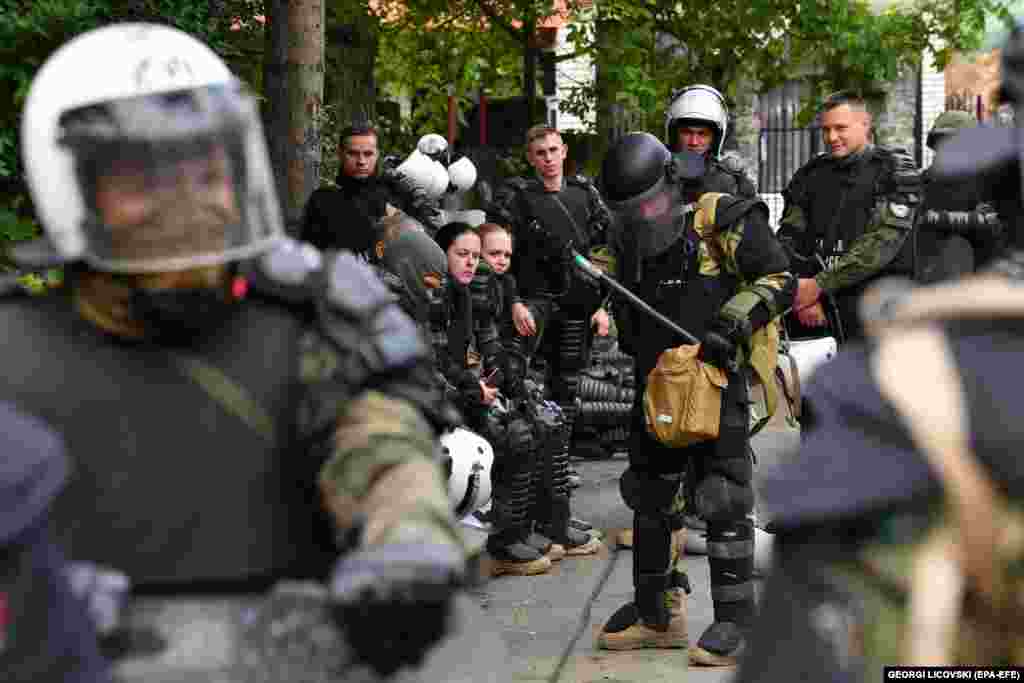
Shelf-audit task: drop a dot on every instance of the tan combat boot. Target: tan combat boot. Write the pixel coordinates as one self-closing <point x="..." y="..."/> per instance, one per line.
<point x="626" y="630"/>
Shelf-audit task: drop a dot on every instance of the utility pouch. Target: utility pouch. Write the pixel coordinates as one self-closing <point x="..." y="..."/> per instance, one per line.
<point x="683" y="398"/>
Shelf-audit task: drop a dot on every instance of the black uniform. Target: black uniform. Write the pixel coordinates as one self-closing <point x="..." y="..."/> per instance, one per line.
<point x="345" y="217"/>
<point x="856" y="214"/>
<point x="543" y="225"/>
<point x="727" y="274"/>
<point x="722" y="175"/>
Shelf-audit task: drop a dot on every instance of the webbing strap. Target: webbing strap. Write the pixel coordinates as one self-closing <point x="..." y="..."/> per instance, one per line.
<point x="231" y="395"/>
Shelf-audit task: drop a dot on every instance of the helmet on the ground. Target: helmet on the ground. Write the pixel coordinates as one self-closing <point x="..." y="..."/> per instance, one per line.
<point x="468" y="459"/>
<point x="949" y="123"/>
<point x="697" y="105"/>
<point x="143" y="154"/>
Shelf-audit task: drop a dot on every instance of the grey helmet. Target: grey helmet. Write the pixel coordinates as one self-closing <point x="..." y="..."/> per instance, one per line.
<point x="700" y="104"/>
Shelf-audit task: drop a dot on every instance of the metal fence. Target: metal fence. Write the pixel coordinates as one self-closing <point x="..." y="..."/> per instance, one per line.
<point x="783" y="147"/>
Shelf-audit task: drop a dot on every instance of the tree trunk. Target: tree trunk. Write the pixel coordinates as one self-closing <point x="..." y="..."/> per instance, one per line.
<point x="305" y="69"/>
<point x="275" y="92"/>
<point x="352" y="57"/>
<point x="530" y="80"/>
<point x="605" y="87"/>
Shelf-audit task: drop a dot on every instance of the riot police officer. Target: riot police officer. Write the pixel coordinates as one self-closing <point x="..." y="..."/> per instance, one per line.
<point x="547" y="214"/>
<point x="697" y="120"/>
<point x="847" y="217"/>
<point x="715" y="268"/>
<point x="235" y="406"/>
<point x="899" y="531"/>
<point x="956" y="230"/>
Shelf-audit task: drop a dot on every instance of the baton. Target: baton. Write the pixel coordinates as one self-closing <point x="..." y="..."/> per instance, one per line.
<point x="599" y="274"/>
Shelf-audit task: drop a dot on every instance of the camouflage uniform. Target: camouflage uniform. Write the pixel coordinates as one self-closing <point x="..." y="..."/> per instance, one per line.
<point x="856" y="214"/>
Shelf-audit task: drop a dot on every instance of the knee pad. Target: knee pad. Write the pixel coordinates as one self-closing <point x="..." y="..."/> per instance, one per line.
<point x="647" y="494"/>
<point x="718" y="499"/>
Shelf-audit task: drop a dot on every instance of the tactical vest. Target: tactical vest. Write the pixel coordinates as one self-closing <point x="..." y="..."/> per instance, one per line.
<point x="562" y="217"/>
<point x="840" y="198"/>
<point x="173" y="482"/>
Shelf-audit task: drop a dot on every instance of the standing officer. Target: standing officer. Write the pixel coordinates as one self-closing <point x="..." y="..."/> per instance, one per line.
<point x="220" y="437"/>
<point x="901" y="531"/>
<point x="957" y="231"/>
<point x="345" y="216"/>
<point x="847" y="216"/>
<point x="697" y="121"/>
<point x="716" y="269"/>
<point x="558" y="307"/>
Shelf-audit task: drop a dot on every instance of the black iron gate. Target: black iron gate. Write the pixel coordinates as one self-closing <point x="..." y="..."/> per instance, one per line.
<point x="782" y="146"/>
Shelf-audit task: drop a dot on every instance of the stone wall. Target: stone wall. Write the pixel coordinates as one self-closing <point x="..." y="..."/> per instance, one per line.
<point x="894" y="116"/>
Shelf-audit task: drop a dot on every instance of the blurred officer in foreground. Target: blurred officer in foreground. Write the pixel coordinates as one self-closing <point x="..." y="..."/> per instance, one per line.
<point x="714" y="268"/>
<point x="902" y="534"/>
<point x="847" y="217"/>
<point x="231" y="422"/>
<point x="46" y="632"/>
<point x="956" y="230"/>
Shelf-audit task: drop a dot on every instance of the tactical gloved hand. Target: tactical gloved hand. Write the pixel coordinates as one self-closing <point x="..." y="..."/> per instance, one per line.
<point x="720" y="342"/>
<point x="394" y="602"/>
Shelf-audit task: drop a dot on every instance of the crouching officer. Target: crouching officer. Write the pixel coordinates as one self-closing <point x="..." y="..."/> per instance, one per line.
<point x="715" y="268"/>
<point x="956" y="231"/>
<point x="901" y="527"/>
<point x="221" y="438"/>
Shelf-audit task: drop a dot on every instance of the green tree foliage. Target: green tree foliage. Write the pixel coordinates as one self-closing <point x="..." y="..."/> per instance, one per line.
<point x="645" y="49"/>
<point x="461" y="51"/>
<point x="33" y="29"/>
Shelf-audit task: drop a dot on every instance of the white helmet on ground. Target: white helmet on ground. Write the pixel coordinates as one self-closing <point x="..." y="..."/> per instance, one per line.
<point x="699" y="104"/>
<point x="124" y="124"/>
<point x="468" y="457"/>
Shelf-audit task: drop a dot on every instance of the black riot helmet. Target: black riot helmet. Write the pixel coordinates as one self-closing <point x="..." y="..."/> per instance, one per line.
<point x="993" y="156"/>
<point x="642" y="195"/>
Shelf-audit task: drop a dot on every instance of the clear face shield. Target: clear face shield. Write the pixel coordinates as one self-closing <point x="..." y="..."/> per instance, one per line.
<point x="651" y="222"/>
<point x="172" y="181"/>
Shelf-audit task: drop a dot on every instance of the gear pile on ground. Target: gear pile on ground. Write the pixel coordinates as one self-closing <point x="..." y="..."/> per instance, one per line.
<point x="606" y="396"/>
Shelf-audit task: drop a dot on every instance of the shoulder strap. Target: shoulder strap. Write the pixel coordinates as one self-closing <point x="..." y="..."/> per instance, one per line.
<point x="963" y="555"/>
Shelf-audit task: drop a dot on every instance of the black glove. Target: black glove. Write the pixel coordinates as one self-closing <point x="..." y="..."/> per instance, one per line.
<point x="718" y="347"/>
<point x="395" y="602"/>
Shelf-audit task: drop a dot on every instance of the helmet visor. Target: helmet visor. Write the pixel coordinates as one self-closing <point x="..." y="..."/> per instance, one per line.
<point x="169" y="180"/>
<point x="650" y="222"/>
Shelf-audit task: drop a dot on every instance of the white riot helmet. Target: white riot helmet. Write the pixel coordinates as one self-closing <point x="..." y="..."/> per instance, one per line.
<point x="425" y="173"/>
<point x="143" y="154"/>
<point x="462" y="174"/>
<point x="699" y="104"/>
<point x="469" y="459"/>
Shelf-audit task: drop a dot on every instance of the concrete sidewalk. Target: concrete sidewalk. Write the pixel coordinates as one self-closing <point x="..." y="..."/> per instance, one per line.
<point x="537" y="616"/>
